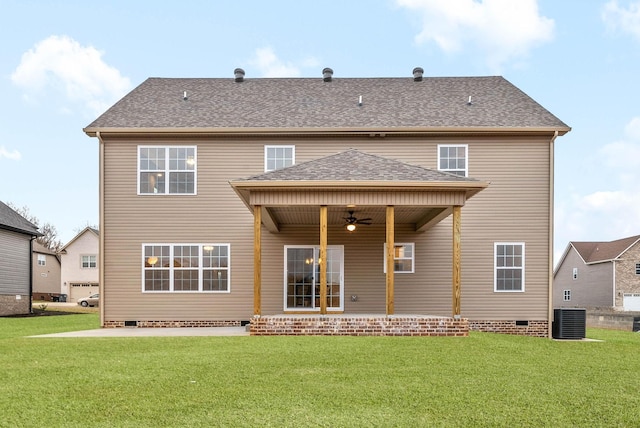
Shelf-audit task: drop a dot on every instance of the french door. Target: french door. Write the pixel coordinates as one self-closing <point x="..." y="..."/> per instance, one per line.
<point x="302" y="278"/>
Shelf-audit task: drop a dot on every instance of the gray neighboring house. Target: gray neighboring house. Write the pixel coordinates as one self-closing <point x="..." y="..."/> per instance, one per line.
<point x="17" y="235"/>
<point x="599" y="274"/>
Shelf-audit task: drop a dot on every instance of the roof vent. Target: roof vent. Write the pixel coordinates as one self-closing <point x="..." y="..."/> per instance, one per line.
<point x="239" y="75"/>
<point x="327" y="74"/>
<point x="417" y="74"/>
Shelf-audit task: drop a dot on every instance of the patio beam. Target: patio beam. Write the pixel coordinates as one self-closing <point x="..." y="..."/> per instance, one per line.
<point x="257" y="260"/>
<point x="390" y="258"/>
<point x="456" y="261"/>
<point x="323" y="259"/>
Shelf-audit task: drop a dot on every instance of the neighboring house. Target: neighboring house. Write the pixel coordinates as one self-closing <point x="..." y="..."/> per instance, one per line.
<point x="79" y="257"/>
<point x="599" y="274"/>
<point x="225" y="201"/>
<point x="46" y="273"/>
<point x="17" y="235"/>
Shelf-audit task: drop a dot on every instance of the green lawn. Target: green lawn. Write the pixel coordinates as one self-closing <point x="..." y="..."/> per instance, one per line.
<point x="483" y="380"/>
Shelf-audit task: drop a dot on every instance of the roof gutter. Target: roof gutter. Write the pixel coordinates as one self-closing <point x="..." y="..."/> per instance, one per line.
<point x="551" y="225"/>
<point x="369" y="131"/>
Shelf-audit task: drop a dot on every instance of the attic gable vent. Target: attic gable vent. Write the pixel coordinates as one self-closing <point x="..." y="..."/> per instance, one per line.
<point x="417" y="74"/>
<point x="239" y="75"/>
<point x="327" y="74"/>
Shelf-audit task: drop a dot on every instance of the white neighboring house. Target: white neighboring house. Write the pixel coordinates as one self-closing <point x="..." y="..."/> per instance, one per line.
<point x="79" y="259"/>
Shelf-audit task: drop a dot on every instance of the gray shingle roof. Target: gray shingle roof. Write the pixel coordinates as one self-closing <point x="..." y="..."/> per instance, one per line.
<point x="11" y="220"/>
<point x="593" y="252"/>
<point x="355" y="165"/>
<point x="307" y="103"/>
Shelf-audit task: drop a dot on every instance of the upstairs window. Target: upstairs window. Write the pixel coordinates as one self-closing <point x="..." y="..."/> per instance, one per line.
<point x="89" y="261"/>
<point x="509" y="266"/>
<point x="566" y="295"/>
<point x="637" y="268"/>
<point x="453" y="159"/>
<point x="42" y="260"/>
<point x="278" y="157"/>
<point x="575" y="273"/>
<point x="166" y="170"/>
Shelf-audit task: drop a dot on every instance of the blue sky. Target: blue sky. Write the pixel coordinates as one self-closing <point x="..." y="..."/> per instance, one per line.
<point x="62" y="63"/>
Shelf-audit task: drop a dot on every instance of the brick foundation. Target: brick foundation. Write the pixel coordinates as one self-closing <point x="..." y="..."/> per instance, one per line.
<point x="171" y="324"/>
<point x="10" y="305"/>
<point x="340" y="325"/>
<point x="533" y="328"/>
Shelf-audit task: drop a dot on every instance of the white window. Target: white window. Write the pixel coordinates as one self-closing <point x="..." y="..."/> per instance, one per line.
<point x="403" y="258"/>
<point x="453" y="159"/>
<point x="637" y="268"/>
<point x="166" y="170"/>
<point x="509" y="266"/>
<point x="575" y="273"/>
<point x="42" y="260"/>
<point x="567" y="295"/>
<point x="277" y="157"/>
<point x="186" y="267"/>
<point x="89" y="261"/>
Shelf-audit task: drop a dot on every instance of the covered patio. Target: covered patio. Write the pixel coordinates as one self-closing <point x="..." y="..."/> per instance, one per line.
<point x="320" y="192"/>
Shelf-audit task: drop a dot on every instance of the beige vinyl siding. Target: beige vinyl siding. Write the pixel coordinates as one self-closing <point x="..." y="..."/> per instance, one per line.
<point x="514" y="208"/>
<point x="15" y="257"/>
<point x="214" y="215"/>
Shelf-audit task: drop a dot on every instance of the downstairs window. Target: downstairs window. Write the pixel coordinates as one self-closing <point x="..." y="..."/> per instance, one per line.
<point x="186" y="267"/>
<point x="509" y="266"/>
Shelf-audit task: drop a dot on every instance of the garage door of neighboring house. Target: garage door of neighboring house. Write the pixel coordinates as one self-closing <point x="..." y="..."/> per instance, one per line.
<point x="631" y="302"/>
<point x="79" y="290"/>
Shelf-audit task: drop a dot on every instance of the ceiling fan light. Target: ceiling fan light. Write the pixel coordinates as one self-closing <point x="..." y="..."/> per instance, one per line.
<point x="351" y="227"/>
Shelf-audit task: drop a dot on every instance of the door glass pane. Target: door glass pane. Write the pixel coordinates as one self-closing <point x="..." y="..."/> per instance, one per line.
<point x="300" y="277"/>
<point x="334" y="271"/>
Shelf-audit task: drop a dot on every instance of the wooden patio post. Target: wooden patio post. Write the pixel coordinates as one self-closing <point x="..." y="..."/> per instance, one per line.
<point x="323" y="259"/>
<point x="257" y="260"/>
<point x="456" y="262"/>
<point x="390" y="259"/>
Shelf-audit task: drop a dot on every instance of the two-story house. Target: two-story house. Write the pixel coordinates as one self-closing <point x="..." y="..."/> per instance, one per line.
<point x="599" y="274"/>
<point x="327" y="205"/>
<point x="79" y="276"/>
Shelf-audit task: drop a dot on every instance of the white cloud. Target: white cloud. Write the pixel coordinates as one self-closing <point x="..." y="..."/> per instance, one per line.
<point x="501" y="29"/>
<point x="620" y="19"/>
<point x="61" y="64"/>
<point x="270" y="65"/>
<point x="632" y="130"/>
<point x="13" y="154"/>
<point x="623" y="157"/>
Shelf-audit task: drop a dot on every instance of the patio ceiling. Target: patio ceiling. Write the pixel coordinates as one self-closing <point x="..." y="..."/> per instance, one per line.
<point x="310" y="215"/>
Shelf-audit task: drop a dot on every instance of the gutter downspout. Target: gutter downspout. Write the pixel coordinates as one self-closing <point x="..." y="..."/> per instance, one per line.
<point x="101" y="225"/>
<point x="613" y="292"/>
<point x="551" y="222"/>
<point x="31" y="274"/>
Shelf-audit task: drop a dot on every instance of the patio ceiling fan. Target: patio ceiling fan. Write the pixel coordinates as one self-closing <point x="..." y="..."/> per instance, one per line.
<point x="352" y="221"/>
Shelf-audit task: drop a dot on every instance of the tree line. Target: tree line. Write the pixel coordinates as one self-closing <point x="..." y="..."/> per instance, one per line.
<point x="49" y="238"/>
